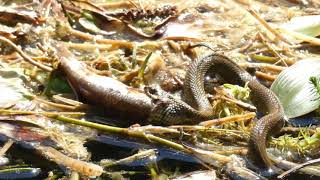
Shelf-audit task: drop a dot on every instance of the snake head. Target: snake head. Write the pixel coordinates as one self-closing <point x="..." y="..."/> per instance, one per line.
<point x="161" y="112"/>
<point x="171" y="111"/>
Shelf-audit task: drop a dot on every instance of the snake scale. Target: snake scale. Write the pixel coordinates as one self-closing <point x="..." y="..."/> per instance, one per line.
<point x="135" y="104"/>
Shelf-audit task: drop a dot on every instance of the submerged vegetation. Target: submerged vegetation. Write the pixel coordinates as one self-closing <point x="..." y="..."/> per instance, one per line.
<point x="59" y="60"/>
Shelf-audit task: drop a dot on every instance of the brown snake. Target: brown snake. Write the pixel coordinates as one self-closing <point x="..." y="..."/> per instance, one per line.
<point x="263" y="98"/>
<point x="116" y="96"/>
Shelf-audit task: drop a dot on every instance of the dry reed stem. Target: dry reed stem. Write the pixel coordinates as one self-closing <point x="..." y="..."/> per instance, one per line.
<point x="237" y="102"/>
<point x="25" y="56"/>
<point x="89" y="37"/>
<point x="182" y="38"/>
<point x="58" y="105"/>
<point x="273" y="50"/>
<point x="230" y="119"/>
<point x="49" y="114"/>
<point x="85" y="168"/>
<point x="65" y="100"/>
<point x="265" y="76"/>
<point x="299" y="166"/>
<point x="87" y="46"/>
<point x="116" y="5"/>
<point x="267" y="26"/>
<point x="265" y="66"/>
<point x="6" y="147"/>
<point x="239" y="151"/>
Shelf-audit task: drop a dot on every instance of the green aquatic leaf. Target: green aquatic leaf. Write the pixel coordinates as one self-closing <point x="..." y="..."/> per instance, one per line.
<point x="57" y="83"/>
<point x="144" y="66"/>
<point x="294" y="89"/>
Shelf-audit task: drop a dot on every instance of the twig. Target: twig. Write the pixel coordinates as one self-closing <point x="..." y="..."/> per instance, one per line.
<point x="167" y="130"/>
<point x="207" y="129"/>
<point x="137" y="156"/>
<point x="263" y="58"/>
<point x="182" y="38"/>
<point x="284" y="164"/>
<point x="85" y="168"/>
<point x="120" y="5"/>
<point x="138" y="134"/>
<point x="122" y="131"/>
<point x="216" y="131"/>
<point x="134" y="4"/>
<point x="87" y="46"/>
<point x="272" y="49"/>
<point x="157" y="130"/>
<point x="41" y="58"/>
<point x="88" y="37"/>
<point x="44" y="9"/>
<point x="65" y="100"/>
<point x="141" y="6"/>
<point x="240" y="151"/>
<point x="207" y="156"/>
<point x="265" y="76"/>
<point x="244" y="2"/>
<point x="244" y="47"/>
<point x="6" y="147"/>
<point x="230" y="119"/>
<point x="25" y="56"/>
<point x="281" y="58"/>
<point x="62" y="106"/>
<point x="266" y="66"/>
<point x="269" y="59"/>
<point x="49" y="114"/>
<point x="267" y="26"/>
<point x="286" y="173"/>
<point x="238" y="102"/>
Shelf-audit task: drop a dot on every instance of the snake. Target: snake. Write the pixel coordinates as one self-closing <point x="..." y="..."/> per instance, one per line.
<point x="263" y="98"/>
<point x="195" y="107"/>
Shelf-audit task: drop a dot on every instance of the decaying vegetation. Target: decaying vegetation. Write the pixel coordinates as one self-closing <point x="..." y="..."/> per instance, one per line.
<point x="147" y="46"/>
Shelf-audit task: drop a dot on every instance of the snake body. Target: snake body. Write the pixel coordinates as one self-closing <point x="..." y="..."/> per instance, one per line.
<point x="135" y="104"/>
<point x="263" y="98"/>
<point x="198" y="108"/>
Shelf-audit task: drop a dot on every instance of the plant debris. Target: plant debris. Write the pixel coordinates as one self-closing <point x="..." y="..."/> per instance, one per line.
<point x="144" y="49"/>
